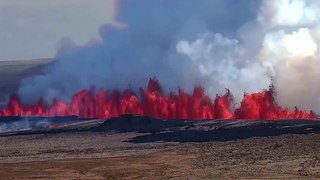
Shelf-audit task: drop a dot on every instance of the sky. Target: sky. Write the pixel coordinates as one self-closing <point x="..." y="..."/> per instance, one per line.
<point x="35" y="28"/>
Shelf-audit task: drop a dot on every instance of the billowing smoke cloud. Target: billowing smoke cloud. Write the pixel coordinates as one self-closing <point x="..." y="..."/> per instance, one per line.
<point x="235" y="44"/>
<point x="290" y="50"/>
<point x="282" y="43"/>
<point x="144" y="47"/>
<point x="221" y="63"/>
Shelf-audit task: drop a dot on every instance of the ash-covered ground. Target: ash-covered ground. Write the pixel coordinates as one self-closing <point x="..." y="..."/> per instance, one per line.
<point x="139" y="147"/>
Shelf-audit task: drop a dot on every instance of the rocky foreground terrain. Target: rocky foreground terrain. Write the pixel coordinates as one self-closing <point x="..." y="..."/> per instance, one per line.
<point x="126" y="149"/>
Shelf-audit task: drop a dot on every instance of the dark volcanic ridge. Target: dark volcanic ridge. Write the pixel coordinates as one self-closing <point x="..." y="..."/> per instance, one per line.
<point x="152" y="129"/>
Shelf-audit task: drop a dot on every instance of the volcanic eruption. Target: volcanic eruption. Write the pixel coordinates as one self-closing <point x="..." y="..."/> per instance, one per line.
<point x="196" y="55"/>
<point x="90" y="104"/>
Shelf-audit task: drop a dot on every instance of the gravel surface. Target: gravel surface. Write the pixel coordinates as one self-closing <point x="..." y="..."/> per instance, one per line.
<point x="99" y="155"/>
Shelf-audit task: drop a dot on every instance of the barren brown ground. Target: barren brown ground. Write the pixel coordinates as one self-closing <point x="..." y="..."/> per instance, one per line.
<point x="92" y="155"/>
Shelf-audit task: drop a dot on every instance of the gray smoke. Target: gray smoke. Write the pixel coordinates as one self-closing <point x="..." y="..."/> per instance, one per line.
<point x="235" y="44"/>
<point x="142" y="48"/>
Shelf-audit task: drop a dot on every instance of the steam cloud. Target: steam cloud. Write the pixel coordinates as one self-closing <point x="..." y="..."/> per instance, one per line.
<point x="235" y="44"/>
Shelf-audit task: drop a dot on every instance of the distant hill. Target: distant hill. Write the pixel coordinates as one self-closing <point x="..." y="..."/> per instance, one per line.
<point x="12" y="71"/>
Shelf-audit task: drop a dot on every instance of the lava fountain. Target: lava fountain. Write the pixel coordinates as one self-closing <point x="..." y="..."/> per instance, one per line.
<point x="152" y="102"/>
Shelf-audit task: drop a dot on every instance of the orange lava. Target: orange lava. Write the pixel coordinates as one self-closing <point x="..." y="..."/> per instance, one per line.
<point x="153" y="102"/>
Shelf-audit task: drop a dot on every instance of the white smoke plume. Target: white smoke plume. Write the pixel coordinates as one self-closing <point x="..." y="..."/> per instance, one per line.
<point x="235" y="44"/>
<point x="286" y="35"/>
<point x="290" y="49"/>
